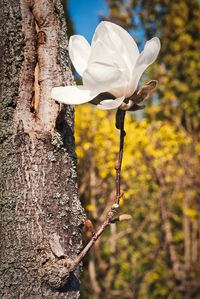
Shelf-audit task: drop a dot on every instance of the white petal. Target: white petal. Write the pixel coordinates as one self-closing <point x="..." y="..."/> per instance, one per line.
<point x="79" y="52"/>
<point x="102" y="77"/>
<point x="150" y="52"/>
<point x="103" y="73"/>
<point x="147" y="57"/>
<point x="119" y="40"/>
<point x="110" y="104"/>
<point x="72" y="95"/>
<point x="100" y="53"/>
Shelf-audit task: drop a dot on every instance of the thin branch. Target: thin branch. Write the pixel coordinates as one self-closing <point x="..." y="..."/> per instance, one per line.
<point x="120" y="118"/>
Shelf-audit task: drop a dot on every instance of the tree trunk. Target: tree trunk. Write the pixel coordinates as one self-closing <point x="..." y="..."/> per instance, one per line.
<point x="40" y="210"/>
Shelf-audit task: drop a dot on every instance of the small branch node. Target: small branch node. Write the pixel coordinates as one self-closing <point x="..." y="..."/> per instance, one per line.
<point x="115" y="206"/>
<point x="55" y="272"/>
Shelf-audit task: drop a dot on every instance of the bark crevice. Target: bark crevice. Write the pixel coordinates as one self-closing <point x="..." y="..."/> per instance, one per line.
<point x="38" y="184"/>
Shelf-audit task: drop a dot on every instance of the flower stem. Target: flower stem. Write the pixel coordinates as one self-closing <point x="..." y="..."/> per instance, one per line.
<point x="120" y="118"/>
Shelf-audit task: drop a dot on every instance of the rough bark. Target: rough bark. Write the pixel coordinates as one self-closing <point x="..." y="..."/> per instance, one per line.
<point x="40" y="210"/>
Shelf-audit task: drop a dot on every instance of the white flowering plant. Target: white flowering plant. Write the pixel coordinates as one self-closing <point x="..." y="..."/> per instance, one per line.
<point x="112" y="65"/>
<point x="111" y="69"/>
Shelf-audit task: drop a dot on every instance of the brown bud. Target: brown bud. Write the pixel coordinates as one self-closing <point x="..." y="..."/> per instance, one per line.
<point x="89" y="225"/>
<point x="125" y="217"/>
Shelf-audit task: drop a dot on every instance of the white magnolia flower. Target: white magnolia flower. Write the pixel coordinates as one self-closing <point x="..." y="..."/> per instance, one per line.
<point x="111" y="64"/>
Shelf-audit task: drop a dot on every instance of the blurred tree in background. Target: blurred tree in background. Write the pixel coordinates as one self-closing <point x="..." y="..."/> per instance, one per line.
<point x="178" y="65"/>
<point x="156" y="255"/>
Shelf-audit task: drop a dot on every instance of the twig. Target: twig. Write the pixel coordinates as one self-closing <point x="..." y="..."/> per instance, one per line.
<point x="120" y="118"/>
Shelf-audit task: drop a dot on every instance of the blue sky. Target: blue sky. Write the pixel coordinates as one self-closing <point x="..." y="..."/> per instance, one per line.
<point x="86" y="15"/>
